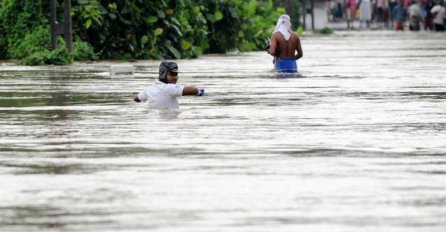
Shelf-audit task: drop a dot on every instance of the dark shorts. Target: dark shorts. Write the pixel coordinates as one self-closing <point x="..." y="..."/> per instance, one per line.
<point x="286" y="66"/>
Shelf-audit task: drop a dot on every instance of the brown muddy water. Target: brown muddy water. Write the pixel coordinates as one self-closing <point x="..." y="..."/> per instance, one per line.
<point x="355" y="142"/>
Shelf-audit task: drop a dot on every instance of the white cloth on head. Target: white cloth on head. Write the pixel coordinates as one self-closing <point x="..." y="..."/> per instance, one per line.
<point x="283" y="26"/>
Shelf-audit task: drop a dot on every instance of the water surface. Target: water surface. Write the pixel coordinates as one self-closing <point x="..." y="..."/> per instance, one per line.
<point x="355" y="142"/>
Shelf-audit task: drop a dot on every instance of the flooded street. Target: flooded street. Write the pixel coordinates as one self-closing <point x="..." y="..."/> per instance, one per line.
<point x="356" y="142"/>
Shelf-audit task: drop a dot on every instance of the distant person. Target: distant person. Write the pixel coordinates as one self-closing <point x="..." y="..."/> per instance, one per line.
<point x="428" y="18"/>
<point x="337" y="10"/>
<point x="350" y="12"/>
<point x="399" y="16"/>
<point x="439" y="12"/>
<point x="329" y="11"/>
<point x="382" y="12"/>
<point x="164" y="93"/>
<point x="406" y="3"/>
<point x="365" y="8"/>
<point x="392" y="5"/>
<point x="414" y="16"/>
<point x="284" y="45"/>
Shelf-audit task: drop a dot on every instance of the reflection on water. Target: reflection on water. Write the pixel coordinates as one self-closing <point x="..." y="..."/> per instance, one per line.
<point x="355" y="142"/>
<point x="163" y="115"/>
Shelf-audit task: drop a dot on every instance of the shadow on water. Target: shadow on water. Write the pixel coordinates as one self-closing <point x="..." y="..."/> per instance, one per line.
<point x="16" y="218"/>
<point x="49" y="168"/>
<point x="163" y="115"/>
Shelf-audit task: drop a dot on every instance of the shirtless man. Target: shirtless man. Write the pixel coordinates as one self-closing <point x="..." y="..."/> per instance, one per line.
<point x="284" y="45"/>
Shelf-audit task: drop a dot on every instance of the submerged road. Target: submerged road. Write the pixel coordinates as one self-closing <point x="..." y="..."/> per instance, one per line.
<point x="356" y="142"/>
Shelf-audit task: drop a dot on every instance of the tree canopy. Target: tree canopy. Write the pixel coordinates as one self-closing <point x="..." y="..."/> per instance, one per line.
<point x="135" y="29"/>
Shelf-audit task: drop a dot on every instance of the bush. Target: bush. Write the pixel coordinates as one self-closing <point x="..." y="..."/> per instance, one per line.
<point x="173" y="29"/>
<point x="33" y="41"/>
<point x="44" y="55"/>
<point x="295" y="10"/>
<point x="17" y="19"/>
<point x="37" y="58"/>
<point x="3" y="42"/>
<point x="25" y="35"/>
<point x="237" y="24"/>
<point x="133" y="29"/>
<point x="259" y="22"/>
<point x="83" y="51"/>
<point x="324" y="31"/>
<point x="129" y="29"/>
<point x="60" y="56"/>
<point x="35" y="49"/>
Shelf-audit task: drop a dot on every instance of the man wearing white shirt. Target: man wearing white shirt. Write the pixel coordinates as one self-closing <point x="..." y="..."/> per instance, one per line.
<point x="439" y="13"/>
<point x="164" y="93"/>
<point x="414" y="15"/>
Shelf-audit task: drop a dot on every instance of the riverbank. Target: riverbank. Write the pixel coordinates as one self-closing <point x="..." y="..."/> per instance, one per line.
<point x="338" y="34"/>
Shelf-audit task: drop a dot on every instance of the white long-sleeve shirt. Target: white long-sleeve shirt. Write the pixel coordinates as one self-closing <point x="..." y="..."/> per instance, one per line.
<point x="439" y="12"/>
<point x="161" y="95"/>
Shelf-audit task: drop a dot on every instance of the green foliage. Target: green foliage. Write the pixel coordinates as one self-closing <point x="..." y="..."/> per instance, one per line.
<point x="83" y="51"/>
<point x="258" y="23"/>
<point x="242" y="25"/>
<point x="25" y="35"/>
<point x="41" y="55"/>
<point x="324" y="31"/>
<point x="18" y="17"/>
<point x="32" y="42"/>
<point x="37" y="58"/>
<point x="91" y="12"/>
<point x="294" y="9"/>
<point x="60" y="56"/>
<point x="173" y="29"/>
<point x="3" y="42"/>
<point x="300" y="31"/>
<point x="35" y="49"/>
<point x="135" y="29"/>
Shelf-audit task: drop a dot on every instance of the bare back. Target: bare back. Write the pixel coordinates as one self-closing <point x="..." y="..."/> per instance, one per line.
<point x="288" y="48"/>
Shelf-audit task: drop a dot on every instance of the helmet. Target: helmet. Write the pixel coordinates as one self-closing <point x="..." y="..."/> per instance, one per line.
<point x="166" y="66"/>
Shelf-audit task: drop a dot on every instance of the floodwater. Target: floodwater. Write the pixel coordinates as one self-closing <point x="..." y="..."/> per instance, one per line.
<point x="355" y="142"/>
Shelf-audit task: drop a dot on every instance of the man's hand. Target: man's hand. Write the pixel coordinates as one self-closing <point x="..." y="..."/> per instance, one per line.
<point x="136" y="99"/>
<point x="200" y="92"/>
<point x="267" y="45"/>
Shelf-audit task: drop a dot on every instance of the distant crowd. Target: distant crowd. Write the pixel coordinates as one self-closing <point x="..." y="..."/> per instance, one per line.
<point x="397" y="14"/>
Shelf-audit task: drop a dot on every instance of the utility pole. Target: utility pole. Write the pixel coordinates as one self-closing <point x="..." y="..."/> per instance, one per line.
<point x="63" y="28"/>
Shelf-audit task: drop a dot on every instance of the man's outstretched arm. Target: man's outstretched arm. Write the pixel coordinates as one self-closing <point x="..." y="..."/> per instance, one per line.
<point x="191" y="90"/>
